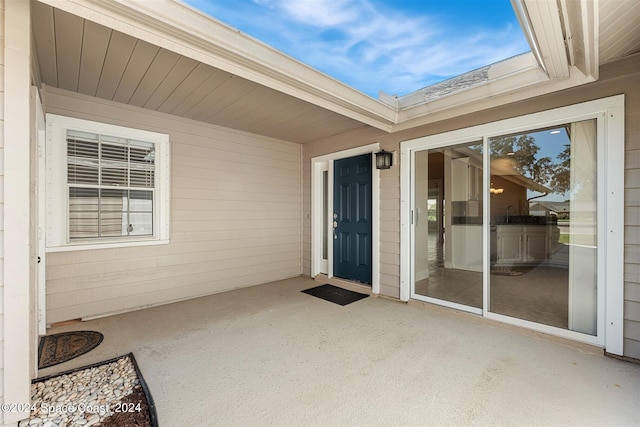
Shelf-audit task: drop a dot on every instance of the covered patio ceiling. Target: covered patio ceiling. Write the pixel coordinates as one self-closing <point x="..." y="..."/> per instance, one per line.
<point x="173" y="59"/>
<point x="79" y="55"/>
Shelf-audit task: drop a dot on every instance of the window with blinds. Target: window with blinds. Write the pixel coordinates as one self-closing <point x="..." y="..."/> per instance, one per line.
<point x="107" y="186"/>
<point x="110" y="186"/>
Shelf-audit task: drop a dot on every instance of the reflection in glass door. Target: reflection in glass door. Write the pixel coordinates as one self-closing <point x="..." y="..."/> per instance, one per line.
<point x="550" y="254"/>
<point x="447" y="232"/>
<point x="543" y="234"/>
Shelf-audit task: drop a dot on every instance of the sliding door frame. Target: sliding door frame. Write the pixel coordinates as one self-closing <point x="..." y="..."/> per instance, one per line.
<point x="609" y="113"/>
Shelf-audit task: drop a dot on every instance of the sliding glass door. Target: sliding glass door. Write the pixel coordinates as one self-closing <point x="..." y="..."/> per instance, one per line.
<point x="521" y="221"/>
<point x="448" y="220"/>
<point x="543" y="226"/>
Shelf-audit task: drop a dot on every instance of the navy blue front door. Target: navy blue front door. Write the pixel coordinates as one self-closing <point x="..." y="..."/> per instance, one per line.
<point x="352" y="218"/>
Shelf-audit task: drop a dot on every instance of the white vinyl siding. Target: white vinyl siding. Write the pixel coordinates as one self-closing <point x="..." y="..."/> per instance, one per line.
<point x="235" y="219"/>
<point x="632" y="221"/>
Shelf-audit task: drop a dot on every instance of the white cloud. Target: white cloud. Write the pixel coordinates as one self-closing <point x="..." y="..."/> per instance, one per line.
<point x="371" y="48"/>
<point x="320" y="13"/>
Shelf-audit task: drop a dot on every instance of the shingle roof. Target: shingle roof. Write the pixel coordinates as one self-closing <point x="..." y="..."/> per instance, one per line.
<point x="463" y="81"/>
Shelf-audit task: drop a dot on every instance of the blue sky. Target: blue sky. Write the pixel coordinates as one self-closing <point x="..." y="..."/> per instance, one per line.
<point x="395" y="46"/>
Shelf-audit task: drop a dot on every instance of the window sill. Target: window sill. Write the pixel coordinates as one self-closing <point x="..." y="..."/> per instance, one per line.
<point x="105" y="245"/>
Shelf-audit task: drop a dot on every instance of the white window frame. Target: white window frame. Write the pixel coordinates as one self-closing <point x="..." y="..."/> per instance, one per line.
<point x="609" y="113"/>
<point x="56" y="205"/>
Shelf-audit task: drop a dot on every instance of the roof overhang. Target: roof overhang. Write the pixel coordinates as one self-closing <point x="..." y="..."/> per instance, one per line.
<point x="563" y="37"/>
<point x="186" y="31"/>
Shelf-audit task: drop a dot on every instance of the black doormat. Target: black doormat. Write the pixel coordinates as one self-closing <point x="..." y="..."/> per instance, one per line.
<point x="58" y="348"/>
<point x="335" y="294"/>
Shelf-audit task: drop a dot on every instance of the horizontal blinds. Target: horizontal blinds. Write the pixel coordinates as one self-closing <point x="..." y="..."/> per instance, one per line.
<point x="107" y="161"/>
<point x="83" y="158"/>
<point x="110" y="183"/>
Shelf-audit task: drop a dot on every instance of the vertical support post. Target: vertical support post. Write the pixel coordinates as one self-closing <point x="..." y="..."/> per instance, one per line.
<point x="17" y="278"/>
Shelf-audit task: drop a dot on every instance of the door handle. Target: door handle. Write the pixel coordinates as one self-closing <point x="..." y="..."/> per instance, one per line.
<point x="335" y="225"/>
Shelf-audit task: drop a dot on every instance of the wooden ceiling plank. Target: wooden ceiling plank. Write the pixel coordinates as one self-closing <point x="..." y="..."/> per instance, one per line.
<point x="68" y="29"/>
<point x="263" y="116"/>
<point x="618" y="13"/>
<point x="118" y="54"/>
<point x="225" y="96"/>
<point x="94" y="50"/>
<point x="319" y="130"/>
<point x="209" y="102"/>
<point x="228" y="101"/>
<point x="315" y="121"/>
<point x="187" y="87"/>
<point x="287" y="119"/>
<point x="258" y="107"/>
<point x="240" y="108"/>
<point x="183" y="67"/>
<point x="301" y="125"/>
<point x="317" y="126"/>
<point x="619" y="35"/>
<point x="621" y="47"/>
<point x="45" y="41"/>
<point x="202" y="92"/>
<point x="143" y="55"/>
<point x="162" y="64"/>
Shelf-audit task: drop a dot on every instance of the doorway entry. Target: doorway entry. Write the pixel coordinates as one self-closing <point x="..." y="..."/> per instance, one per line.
<point x="345" y="226"/>
<point x="352" y="218"/>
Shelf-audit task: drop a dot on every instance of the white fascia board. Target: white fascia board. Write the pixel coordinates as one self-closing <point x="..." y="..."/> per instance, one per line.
<point x="176" y="26"/>
<point x="525" y="25"/>
<point x="581" y="23"/>
<point x="517" y="87"/>
<point x="513" y="66"/>
<point x="591" y="37"/>
<point x="544" y="17"/>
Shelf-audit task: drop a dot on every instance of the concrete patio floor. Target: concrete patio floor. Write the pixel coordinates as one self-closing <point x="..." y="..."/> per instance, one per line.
<point x="271" y="355"/>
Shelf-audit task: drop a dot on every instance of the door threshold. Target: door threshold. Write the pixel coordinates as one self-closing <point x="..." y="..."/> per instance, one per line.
<point x="343" y="283"/>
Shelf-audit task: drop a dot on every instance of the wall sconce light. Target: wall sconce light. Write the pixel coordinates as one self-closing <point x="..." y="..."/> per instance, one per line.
<point x="496" y="191"/>
<point x="384" y="160"/>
